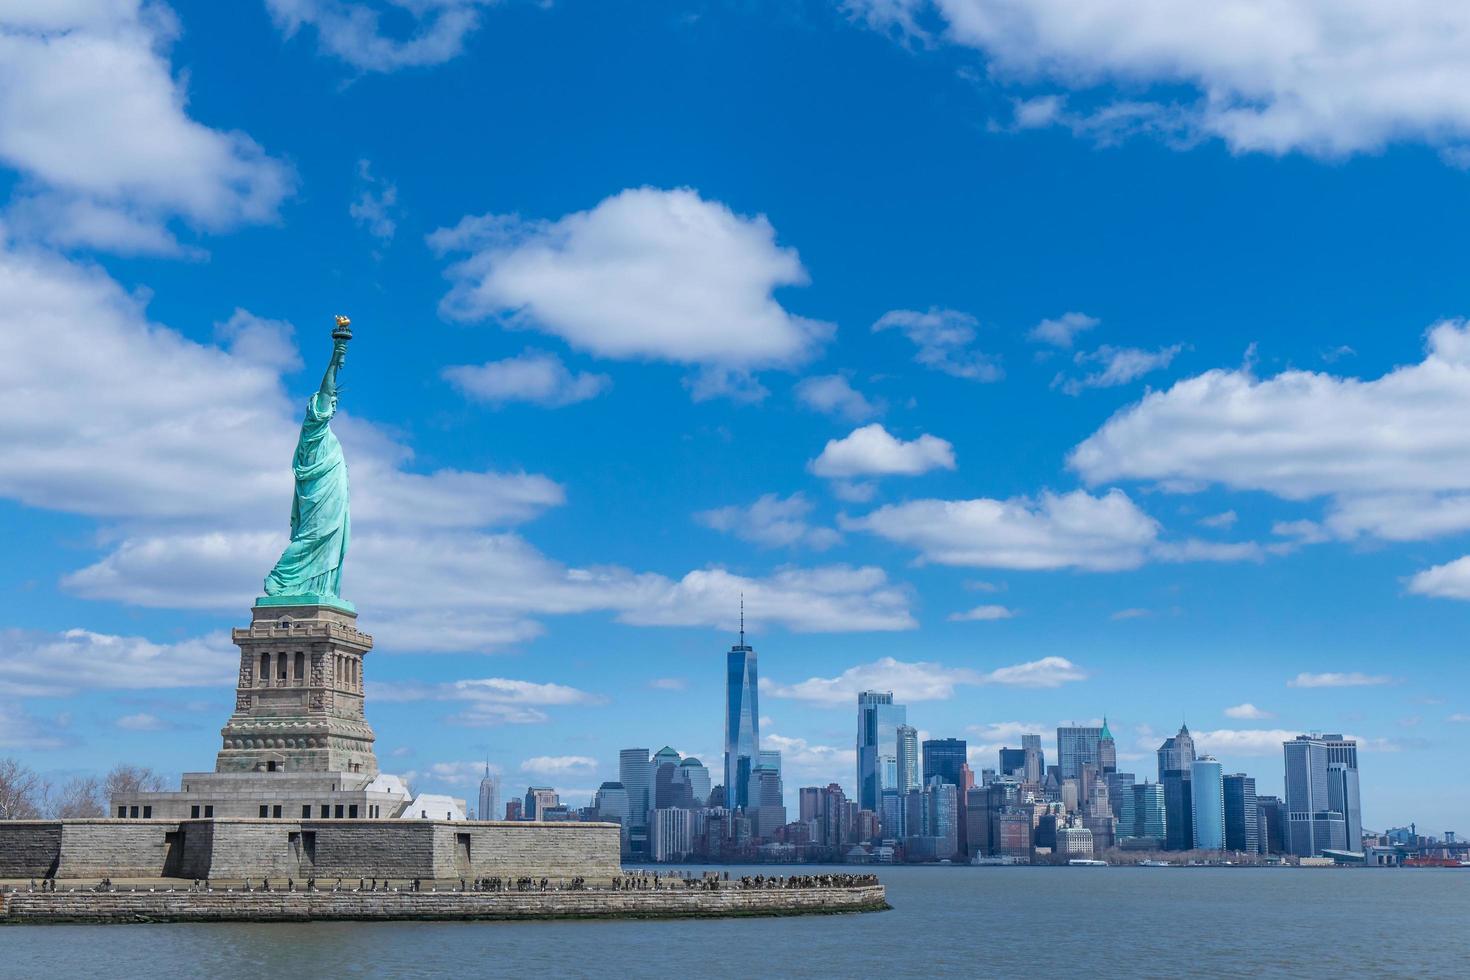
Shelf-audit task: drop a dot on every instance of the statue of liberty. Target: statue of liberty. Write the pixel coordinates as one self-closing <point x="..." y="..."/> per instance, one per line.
<point x="310" y="569"/>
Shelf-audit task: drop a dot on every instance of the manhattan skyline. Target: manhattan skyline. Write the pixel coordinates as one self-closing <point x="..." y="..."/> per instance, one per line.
<point x="1027" y="420"/>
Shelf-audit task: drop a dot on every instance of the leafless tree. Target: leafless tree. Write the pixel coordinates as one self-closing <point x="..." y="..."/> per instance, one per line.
<point x="22" y="792"/>
<point x="130" y="779"/>
<point x="79" y="797"/>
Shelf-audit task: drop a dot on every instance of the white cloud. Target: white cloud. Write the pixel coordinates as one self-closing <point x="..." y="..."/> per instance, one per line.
<point x="1387" y="452"/>
<point x="1247" y="711"/>
<point x="1224" y="519"/>
<point x="143" y="722"/>
<point x="1063" y="330"/>
<point x="1193" y="549"/>
<point x="532" y="376"/>
<point x="375" y="204"/>
<point x="254" y="340"/>
<point x="772" y="521"/>
<point x="828" y="598"/>
<point x="668" y="684"/>
<point x="21" y="730"/>
<point x="1046" y="672"/>
<point x="872" y="451"/>
<point x="488" y="701"/>
<point x="944" y="338"/>
<point x="1072" y="530"/>
<point x="987" y="740"/>
<point x="559" y="765"/>
<point x="354" y="33"/>
<point x="1325" y="77"/>
<point x="1352" y="679"/>
<point x="646" y="274"/>
<point x="983" y="614"/>
<point x="95" y="123"/>
<point x="1229" y="742"/>
<point x="834" y="395"/>
<point x="921" y="681"/>
<point x="456" y="773"/>
<point x="854" y="491"/>
<point x="800" y="757"/>
<point x="1459" y="716"/>
<point x="1118" y="366"/>
<point x="1448" y="581"/>
<point x="38" y="664"/>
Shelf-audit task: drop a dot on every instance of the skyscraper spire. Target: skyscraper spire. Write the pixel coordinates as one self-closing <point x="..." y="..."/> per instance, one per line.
<point x="742" y="619"/>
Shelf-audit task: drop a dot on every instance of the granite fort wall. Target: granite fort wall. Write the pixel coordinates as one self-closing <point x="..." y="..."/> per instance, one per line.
<point x="279" y="906"/>
<point x="232" y="849"/>
<point x="29" y="849"/>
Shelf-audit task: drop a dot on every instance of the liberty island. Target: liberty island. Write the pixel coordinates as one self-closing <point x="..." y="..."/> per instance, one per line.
<point x="297" y="795"/>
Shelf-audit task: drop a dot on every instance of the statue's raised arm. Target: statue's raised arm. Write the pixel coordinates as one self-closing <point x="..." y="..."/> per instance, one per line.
<point x="310" y="569"/>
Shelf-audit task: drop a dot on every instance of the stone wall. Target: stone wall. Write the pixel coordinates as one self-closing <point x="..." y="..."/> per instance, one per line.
<point x="29" y="849"/>
<point x="279" y="906"/>
<point x="237" y="848"/>
<point x="115" y="848"/>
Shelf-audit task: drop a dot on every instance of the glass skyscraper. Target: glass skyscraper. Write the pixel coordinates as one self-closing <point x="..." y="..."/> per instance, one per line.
<point x="742" y="725"/>
<point x="1077" y="747"/>
<point x="1242" y="821"/>
<point x="1323" y="811"/>
<point x="1149" y="812"/>
<point x="1207" y="801"/>
<point x="908" y="758"/>
<point x="877" y="747"/>
<point x="1176" y="756"/>
<point x="944" y="757"/>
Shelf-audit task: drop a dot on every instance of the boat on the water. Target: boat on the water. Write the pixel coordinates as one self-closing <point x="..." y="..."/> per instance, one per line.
<point x="1154" y="864"/>
<point x="1087" y="863"/>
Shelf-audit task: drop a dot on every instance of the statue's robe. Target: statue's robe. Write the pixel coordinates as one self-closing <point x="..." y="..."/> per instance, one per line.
<point x="320" y="522"/>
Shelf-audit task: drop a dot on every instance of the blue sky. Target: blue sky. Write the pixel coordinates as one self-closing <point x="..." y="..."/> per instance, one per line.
<point x="1037" y="363"/>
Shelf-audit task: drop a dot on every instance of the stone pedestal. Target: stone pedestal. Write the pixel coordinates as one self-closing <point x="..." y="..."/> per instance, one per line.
<point x="299" y="701"/>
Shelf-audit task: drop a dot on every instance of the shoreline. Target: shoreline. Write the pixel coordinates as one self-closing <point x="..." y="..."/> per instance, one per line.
<point x="138" y="905"/>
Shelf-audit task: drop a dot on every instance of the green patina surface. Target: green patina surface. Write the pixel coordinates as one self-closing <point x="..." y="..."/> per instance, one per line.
<point x="309" y="571"/>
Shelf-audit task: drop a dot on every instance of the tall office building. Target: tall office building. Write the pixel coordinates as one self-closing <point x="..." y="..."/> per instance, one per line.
<point x="1107" y="750"/>
<point x="742" y="721"/>
<point x="1120" y="796"/>
<point x="489" y="797"/>
<point x="767" y="797"/>
<point x="538" y="799"/>
<point x="1176" y="756"/>
<point x="1322" y="795"/>
<point x="1242" y="819"/>
<point x="908" y="758"/>
<point x="611" y="803"/>
<point x="1207" y="802"/>
<point x="1013" y="762"/>
<point x="671" y="834"/>
<point x="1178" y="811"/>
<point x="1342" y="786"/>
<point x="945" y="758"/>
<point x="695" y="775"/>
<point x="635" y="772"/>
<point x="877" y="748"/>
<point x="1177" y="752"/>
<point x="1149" y="812"/>
<point x="1077" y="747"/>
<point x="1035" y="759"/>
<point x="1273" y="824"/>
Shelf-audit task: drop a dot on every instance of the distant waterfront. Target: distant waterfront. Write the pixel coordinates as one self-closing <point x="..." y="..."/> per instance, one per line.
<point x="957" y="921"/>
